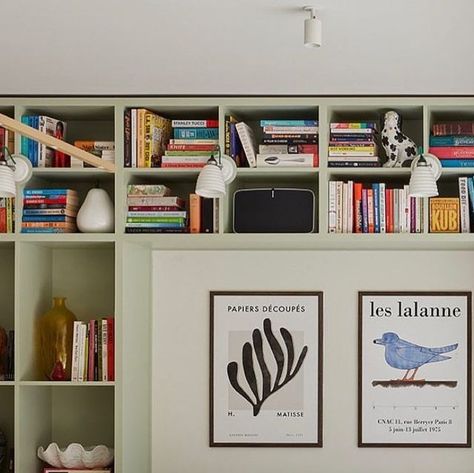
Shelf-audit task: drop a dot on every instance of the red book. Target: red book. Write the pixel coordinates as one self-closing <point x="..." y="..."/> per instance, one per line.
<point x="453" y="128"/>
<point x="453" y="152"/>
<point x="358" y="207"/>
<point x="47" y="200"/>
<point x="172" y="147"/>
<point x="315" y="160"/>
<point x="389" y="209"/>
<point x="110" y="349"/>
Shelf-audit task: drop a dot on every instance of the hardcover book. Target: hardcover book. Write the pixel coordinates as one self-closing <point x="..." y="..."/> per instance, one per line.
<point x="444" y="215"/>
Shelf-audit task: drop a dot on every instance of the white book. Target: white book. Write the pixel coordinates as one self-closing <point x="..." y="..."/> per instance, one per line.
<point x="104" y="335"/>
<point x="247" y="139"/>
<point x="75" y="351"/>
<point x="396" y="228"/>
<point x="133" y="138"/>
<point x="332" y="207"/>
<point x="339" y="206"/>
<point x="464" y="204"/>
<point x="382" y="209"/>
<point x="82" y="342"/>
<point x="350" y="207"/>
<point x="407" y="208"/>
<point x="344" y="207"/>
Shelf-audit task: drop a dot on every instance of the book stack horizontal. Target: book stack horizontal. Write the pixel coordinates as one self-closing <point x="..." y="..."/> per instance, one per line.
<point x="49" y="211"/>
<point x="353" y="145"/>
<point x="152" y="209"/>
<point x="102" y="149"/>
<point x="93" y="350"/>
<point x="453" y="143"/>
<point x="373" y="208"/>
<point x="7" y="215"/>
<point x="288" y="143"/>
<point x="145" y="137"/>
<point x="203" y="214"/>
<point x="41" y="155"/>
<point x="193" y="143"/>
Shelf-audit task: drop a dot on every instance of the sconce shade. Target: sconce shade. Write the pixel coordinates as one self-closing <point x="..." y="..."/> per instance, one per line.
<point x="210" y="182"/>
<point x="425" y="171"/>
<point x="7" y="182"/>
<point x="312" y="33"/>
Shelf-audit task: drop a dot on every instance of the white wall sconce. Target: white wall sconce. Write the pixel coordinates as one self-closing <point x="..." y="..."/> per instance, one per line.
<point x="312" y="29"/>
<point x="14" y="170"/>
<point x="425" y="171"/>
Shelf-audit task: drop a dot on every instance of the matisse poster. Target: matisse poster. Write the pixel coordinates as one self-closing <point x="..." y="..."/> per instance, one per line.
<point x="415" y="369"/>
<point x="266" y="369"/>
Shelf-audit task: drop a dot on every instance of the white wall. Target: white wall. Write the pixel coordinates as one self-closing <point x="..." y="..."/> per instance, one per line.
<point x="181" y="285"/>
<point x="235" y="47"/>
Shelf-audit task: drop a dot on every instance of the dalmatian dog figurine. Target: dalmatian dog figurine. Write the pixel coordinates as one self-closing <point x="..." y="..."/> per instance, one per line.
<point x="398" y="147"/>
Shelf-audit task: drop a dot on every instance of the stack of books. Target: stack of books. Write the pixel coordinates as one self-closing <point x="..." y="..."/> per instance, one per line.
<point x="7" y="140"/>
<point x="7" y="215"/>
<point x="353" y="145"/>
<point x="102" y="149"/>
<point x="453" y="143"/>
<point x="373" y="208"/>
<point x="75" y="470"/>
<point x="193" y="143"/>
<point x="93" y="350"/>
<point x="7" y="358"/>
<point x="49" y="211"/>
<point x="288" y="143"/>
<point x="152" y="209"/>
<point x="203" y="214"/>
<point x="146" y="135"/>
<point x="40" y="155"/>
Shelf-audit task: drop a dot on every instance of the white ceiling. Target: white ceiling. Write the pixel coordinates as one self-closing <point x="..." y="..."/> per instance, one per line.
<point x="236" y="47"/>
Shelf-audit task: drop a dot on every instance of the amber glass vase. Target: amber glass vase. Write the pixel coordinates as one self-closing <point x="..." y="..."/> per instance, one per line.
<point x="54" y="341"/>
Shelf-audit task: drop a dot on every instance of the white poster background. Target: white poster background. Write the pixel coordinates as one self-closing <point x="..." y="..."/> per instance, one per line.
<point x="288" y="416"/>
<point x="413" y="414"/>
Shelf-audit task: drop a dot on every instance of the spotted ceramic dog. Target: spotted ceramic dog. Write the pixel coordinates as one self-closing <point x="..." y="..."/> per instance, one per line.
<point x="399" y="147"/>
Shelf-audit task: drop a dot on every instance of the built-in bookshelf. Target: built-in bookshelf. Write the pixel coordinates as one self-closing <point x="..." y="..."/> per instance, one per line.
<point x="109" y="274"/>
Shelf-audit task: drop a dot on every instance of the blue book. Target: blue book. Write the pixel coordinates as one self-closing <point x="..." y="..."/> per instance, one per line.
<point x="35" y="144"/>
<point x="457" y="163"/>
<point x="196" y="133"/>
<point x="47" y="191"/>
<point x="44" y="230"/>
<point x="451" y="140"/>
<point x="376" y="189"/>
<point x="288" y="123"/>
<point x="45" y="218"/>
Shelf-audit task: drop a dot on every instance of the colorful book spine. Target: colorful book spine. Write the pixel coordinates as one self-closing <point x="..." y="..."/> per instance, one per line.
<point x="376" y="194"/>
<point x="453" y="128"/>
<point x="453" y="152"/>
<point x="436" y="141"/>
<point x="457" y="163"/>
<point x="196" y="133"/>
<point x="195" y="123"/>
<point x="194" y="213"/>
<point x="288" y="123"/>
<point x="332" y="207"/>
<point x="464" y="203"/>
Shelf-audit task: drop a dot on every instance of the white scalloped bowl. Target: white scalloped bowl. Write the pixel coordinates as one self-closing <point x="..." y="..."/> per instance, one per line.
<point x="77" y="456"/>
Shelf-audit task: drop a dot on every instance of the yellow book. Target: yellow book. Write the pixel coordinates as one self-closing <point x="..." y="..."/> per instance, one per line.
<point x="148" y="138"/>
<point x="141" y="137"/>
<point x="444" y="215"/>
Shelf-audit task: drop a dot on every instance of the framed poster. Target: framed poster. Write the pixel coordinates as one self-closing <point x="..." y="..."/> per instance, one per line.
<point x="266" y="369"/>
<point x="414" y="369"/>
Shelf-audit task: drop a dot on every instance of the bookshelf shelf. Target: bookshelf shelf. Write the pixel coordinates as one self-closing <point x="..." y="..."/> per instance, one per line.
<point x="103" y="274"/>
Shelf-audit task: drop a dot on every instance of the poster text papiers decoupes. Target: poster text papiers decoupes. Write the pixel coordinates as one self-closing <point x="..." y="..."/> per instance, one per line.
<point x="415" y="369"/>
<point x="266" y="369"/>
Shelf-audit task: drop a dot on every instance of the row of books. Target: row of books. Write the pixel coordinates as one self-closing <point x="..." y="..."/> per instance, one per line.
<point x="102" y="149"/>
<point x="152" y="209"/>
<point x="48" y="469"/>
<point x="353" y="144"/>
<point x="193" y="142"/>
<point x="285" y="143"/>
<point x="41" y="155"/>
<point x="93" y="350"/>
<point x="203" y="214"/>
<point x="7" y="355"/>
<point x="7" y="215"/>
<point x="146" y="135"/>
<point x="373" y="208"/>
<point x="49" y="211"/>
<point x="7" y="140"/>
<point x="453" y="143"/>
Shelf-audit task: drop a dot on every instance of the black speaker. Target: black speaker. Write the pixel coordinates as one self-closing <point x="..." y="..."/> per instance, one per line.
<point x="278" y="210"/>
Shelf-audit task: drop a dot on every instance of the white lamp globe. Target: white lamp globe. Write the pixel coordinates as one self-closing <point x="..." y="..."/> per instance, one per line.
<point x="425" y="171"/>
<point x="7" y="182"/>
<point x="210" y="182"/>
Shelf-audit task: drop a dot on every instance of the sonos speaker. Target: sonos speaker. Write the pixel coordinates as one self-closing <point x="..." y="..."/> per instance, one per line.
<point x="274" y="210"/>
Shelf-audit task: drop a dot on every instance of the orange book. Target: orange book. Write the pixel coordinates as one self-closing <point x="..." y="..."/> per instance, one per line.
<point x="357" y="207"/>
<point x="194" y="213"/>
<point x="444" y="215"/>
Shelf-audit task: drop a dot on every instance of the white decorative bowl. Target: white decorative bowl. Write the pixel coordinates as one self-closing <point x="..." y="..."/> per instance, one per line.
<point x="77" y="456"/>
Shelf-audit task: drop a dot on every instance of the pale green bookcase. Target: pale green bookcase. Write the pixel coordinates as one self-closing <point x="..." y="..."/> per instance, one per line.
<point x="103" y="274"/>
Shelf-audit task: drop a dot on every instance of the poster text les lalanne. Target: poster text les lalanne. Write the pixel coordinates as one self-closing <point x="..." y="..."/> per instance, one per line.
<point x="413" y="309"/>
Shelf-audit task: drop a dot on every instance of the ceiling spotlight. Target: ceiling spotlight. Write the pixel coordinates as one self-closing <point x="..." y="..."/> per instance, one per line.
<point x="312" y="29"/>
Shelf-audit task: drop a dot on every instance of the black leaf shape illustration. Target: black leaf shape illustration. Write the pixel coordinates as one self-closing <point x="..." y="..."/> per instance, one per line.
<point x="260" y="396"/>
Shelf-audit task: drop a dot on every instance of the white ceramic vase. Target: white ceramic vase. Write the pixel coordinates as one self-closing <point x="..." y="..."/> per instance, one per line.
<point x="96" y="214"/>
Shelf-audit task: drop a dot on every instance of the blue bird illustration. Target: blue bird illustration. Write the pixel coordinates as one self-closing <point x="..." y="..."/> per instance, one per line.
<point x="404" y="355"/>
